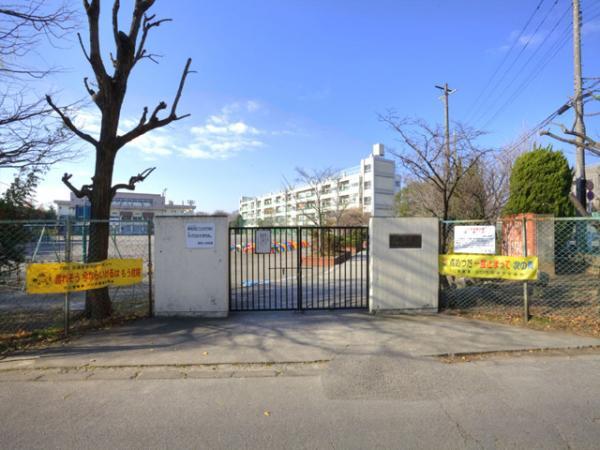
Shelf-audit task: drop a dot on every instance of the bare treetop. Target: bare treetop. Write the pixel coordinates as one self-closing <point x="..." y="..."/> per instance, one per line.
<point x="22" y="26"/>
<point x="108" y="90"/>
<point x="29" y="137"/>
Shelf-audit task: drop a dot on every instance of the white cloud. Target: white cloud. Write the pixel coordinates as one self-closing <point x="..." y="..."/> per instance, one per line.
<point x="88" y="121"/>
<point x="224" y="135"/>
<point x="157" y="142"/>
<point x="530" y="39"/>
<point x="252" y="105"/>
<point x="221" y="136"/>
<point x="220" y="126"/>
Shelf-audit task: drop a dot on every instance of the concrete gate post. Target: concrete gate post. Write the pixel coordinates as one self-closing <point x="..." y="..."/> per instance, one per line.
<point x="403" y="264"/>
<point x="191" y="266"/>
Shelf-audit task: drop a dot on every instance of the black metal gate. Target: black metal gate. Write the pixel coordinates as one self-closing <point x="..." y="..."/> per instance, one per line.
<point x="296" y="268"/>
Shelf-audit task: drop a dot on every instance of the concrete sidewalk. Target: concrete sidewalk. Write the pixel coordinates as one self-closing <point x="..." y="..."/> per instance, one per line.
<point x="285" y="337"/>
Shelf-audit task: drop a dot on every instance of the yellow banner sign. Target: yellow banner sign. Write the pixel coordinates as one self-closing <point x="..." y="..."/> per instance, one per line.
<point x="490" y="266"/>
<point x="56" y="278"/>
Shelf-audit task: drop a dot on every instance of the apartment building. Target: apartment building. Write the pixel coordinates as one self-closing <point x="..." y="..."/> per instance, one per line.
<point x="369" y="187"/>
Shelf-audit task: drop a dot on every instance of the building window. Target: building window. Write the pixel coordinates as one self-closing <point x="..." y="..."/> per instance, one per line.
<point x="367" y="201"/>
<point x="367" y="168"/>
<point x="367" y="185"/>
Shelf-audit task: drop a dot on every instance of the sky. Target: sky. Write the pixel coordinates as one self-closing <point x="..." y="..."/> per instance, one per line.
<point x="286" y="84"/>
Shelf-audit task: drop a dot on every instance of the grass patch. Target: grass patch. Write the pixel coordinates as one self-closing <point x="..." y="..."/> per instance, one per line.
<point x="23" y="340"/>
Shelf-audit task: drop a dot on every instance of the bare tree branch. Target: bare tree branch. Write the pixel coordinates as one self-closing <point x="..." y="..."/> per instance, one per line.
<point x="95" y="56"/>
<point x="593" y="147"/>
<point x="147" y="26"/>
<point x="154" y="122"/>
<point x="88" y="88"/>
<point x="29" y="134"/>
<point x="85" y="53"/>
<point x="85" y="191"/>
<point x="424" y="158"/>
<point x="132" y="181"/>
<point x="70" y="125"/>
<point x="115" y="21"/>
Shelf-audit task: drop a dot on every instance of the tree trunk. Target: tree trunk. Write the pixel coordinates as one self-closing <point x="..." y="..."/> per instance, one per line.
<point x="97" y="301"/>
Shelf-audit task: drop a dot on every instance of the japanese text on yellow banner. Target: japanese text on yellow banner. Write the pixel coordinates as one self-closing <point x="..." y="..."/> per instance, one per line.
<point x="56" y="278"/>
<point x="489" y="266"/>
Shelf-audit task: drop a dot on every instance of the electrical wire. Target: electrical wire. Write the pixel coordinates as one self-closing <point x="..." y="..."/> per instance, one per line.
<point x="507" y="54"/>
<point x="548" y="56"/>
<point x="516" y="59"/>
<point x="542" y="63"/>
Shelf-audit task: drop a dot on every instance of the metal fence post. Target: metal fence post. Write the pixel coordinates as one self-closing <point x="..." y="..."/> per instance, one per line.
<point x="299" y="268"/>
<point x="67" y="260"/>
<point x="150" y="268"/>
<point x="525" y="288"/>
<point x="83" y="243"/>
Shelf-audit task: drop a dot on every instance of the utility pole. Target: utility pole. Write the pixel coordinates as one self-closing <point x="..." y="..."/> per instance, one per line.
<point x="446" y="92"/>
<point x="579" y="125"/>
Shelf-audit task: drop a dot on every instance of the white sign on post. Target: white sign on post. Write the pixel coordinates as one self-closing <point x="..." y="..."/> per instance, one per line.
<point x="200" y="235"/>
<point x="263" y="241"/>
<point x="479" y="239"/>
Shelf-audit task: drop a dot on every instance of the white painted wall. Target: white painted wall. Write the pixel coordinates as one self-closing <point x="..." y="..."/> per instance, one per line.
<point x="403" y="280"/>
<point x="190" y="282"/>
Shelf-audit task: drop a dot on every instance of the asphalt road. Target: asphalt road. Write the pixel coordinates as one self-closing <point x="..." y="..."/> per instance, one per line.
<point x="349" y="403"/>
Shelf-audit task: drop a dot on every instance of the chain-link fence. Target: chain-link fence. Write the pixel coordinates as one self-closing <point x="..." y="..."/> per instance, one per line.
<point x="567" y="288"/>
<point x="26" y="242"/>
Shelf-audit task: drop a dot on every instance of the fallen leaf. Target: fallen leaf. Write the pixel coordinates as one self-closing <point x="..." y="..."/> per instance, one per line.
<point x="267" y="413"/>
<point x="205" y="353"/>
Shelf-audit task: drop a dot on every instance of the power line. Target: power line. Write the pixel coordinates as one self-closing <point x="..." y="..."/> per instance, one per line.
<point x="544" y="123"/>
<point x="514" y="61"/>
<point x="507" y="54"/>
<point x="542" y="63"/>
<point x="544" y="60"/>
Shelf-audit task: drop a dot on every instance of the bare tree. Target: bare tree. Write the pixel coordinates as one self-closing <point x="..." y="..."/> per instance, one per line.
<point x="424" y="158"/>
<point x="481" y="194"/>
<point x="496" y="169"/>
<point x="570" y="135"/>
<point x="320" y="183"/>
<point x="353" y="217"/>
<point x="108" y="93"/>
<point x="29" y="136"/>
<point x="573" y="137"/>
<point x="288" y="188"/>
<point x="417" y="199"/>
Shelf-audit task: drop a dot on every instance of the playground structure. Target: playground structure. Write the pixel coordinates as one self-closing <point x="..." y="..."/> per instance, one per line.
<point x="276" y="247"/>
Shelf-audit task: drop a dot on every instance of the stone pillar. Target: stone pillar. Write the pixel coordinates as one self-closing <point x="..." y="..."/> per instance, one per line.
<point x="191" y="266"/>
<point x="403" y="263"/>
